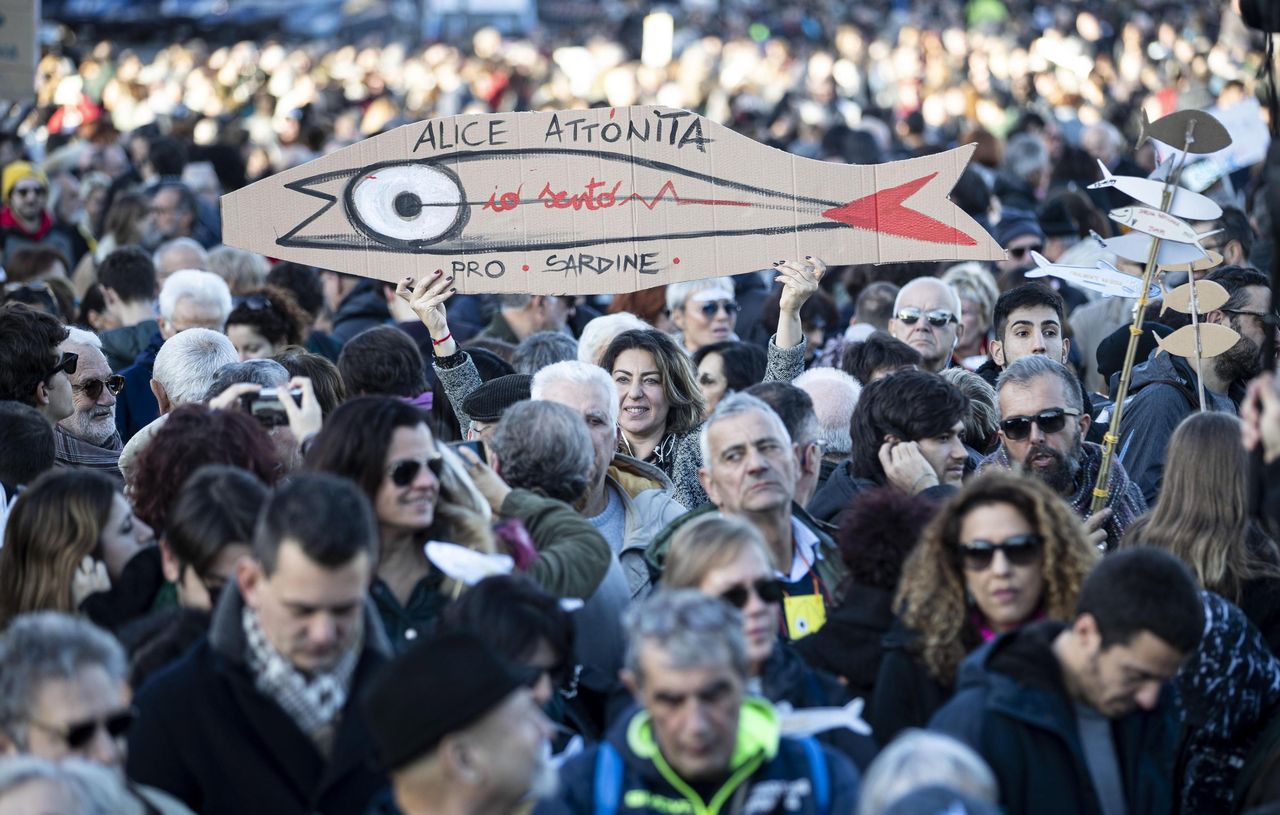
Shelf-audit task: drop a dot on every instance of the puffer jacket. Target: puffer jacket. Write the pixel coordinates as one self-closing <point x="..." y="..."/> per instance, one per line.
<point x="649" y="506"/>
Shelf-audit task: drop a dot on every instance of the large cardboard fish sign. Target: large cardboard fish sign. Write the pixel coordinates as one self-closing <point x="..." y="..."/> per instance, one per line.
<point x="595" y="201"/>
<point x="1103" y="278"/>
<point x="1186" y="204"/>
<point x="1215" y="339"/>
<point x="1158" y="224"/>
<point x="1209" y="297"/>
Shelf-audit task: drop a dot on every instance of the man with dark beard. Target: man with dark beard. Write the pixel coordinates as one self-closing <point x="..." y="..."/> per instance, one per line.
<point x="1164" y="390"/>
<point x="1042" y="429"/>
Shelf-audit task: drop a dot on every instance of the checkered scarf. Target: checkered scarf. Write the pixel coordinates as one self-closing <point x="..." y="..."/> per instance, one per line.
<point x="313" y="703"/>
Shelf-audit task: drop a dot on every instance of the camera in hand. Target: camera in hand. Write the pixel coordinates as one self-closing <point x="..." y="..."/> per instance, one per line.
<point x="265" y="406"/>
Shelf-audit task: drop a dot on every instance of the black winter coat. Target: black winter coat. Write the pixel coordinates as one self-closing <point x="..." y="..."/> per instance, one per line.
<point x="207" y="736"/>
<point x="1010" y="706"/>
<point x="851" y="644"/>
<point x="906" y="693"/>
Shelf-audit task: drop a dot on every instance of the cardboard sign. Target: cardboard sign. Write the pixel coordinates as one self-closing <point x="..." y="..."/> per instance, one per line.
<point x="595" y="201"/>
<point x="1211" y="259"/>
<point x="19" y="20"/>
<point x="1186" y="204"/>
<point x="1103" y="278"/>
<point x="1215" y="339"/>
<point x="1196" y="130"/>
<point x="1158" y="224"/>
<point x="1247" y="144"/>
<point x="1209" y="296"/>
<point x="1136" y="247"/>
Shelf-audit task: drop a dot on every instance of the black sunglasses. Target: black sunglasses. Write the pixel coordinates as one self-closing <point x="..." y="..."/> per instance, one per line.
<point x="1021" y="251"/>
<point x="768" y="589"/>
<point x="1017" y="428"/>
<point x="93" y="387"/>
<point x="709" y="309"/>
<point x="404" y="472"/>
<point x="66" y="363"/>
<point x="1019" y="550"/>
<point x="79" y="734"/>
<point x="937" y="318"/>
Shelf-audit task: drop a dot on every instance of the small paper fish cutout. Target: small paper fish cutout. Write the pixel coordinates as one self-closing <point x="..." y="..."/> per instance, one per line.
<point x="465" y="565"/>
<point x="1186" y="204"/>
<point x="1158" y="224"/>
<point x="1209" y="296"/>
<point x="1214" y="339"/>
<point x="813" y="720"/>
<point x="1211" y="259"/>
<point x="1208" y="135"/>
<point x="1136" y="247"/>
<point x="1103" y="278"/>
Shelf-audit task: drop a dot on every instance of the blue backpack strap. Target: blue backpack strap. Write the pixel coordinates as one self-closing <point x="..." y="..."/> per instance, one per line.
<point x="608" y="783"/>
<point x="818" y="774"/>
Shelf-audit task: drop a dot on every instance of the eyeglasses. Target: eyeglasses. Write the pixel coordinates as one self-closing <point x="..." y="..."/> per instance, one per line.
<point x="66" y="363"/>
<point x="768" y="589"/>
<point x="255" y="302"/>
<point x="937" y="318"/>
<point x="79" y="734"/>
<point x="709" y="309"/>
<point x="1019" y="550"/>
<point x="1267" y="317"/>
<point x="1021" y="251"/>
<point x="93" y="387"/>
<point x="1052" y="420"/>
<point x="403" y="473"/>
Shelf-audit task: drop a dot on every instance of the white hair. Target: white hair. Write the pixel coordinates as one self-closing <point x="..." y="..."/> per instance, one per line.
<point x="205" y="288"/>
<point x="736" y="404"/>
<point x="78" y="336"/>
<point x="189" y="245"/>
<point x="91" y="789"/>
<point x="678" y="293"/>
<point x="580" y="374"/>
<point x="187" y="362"/>
<point x="928" y="281"/>
<point x="599" y="332"/>
<point x="920" y="758"/>
<point x="835" y="395"/>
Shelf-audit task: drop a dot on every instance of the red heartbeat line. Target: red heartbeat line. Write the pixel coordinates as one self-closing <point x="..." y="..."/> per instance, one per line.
<point x="675" y="196"/>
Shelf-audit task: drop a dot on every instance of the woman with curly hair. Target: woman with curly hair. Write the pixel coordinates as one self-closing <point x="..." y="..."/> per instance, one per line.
<point x="1004" y="551"/>
<point x="1203" y="519"/>
<point x="71" y="535"/>
<point x="264" y="322"/>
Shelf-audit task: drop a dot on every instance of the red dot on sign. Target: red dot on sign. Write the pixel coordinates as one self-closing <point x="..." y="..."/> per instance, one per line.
<point x="524" y="268"/>
<point x="675" y="260"/>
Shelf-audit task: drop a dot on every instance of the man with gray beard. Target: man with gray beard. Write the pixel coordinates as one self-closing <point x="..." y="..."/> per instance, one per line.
<point x="88" y="437"/>
<point x="1042" y="429"/>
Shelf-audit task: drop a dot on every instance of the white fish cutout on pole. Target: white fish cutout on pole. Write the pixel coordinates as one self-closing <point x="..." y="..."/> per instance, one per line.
<point x="1186" y="204"/>
<point x="1158" y="224"/>
<point x="1209" y="296"/>
<point x="1103" y="278"/>
<point x="595" y="201"/>
<point x="1215" y="339"/>
<point x="1136" y="247"/>
<point x="810" y="721"/>
<point x="466" y="565"/>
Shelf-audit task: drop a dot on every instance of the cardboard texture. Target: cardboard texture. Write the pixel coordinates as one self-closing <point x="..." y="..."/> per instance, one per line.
<point x="1103" y="278"/>
<point x="1214" y="340"/>
<point x="1211" y="259"/>
<point x="1209" y="296"/>
<point x="19" y="20"/>
<point x="595" y="201"/>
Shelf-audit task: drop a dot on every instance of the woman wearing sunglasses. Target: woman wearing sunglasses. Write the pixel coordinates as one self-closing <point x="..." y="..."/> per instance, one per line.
<point x="726" y="557"/>
<point x="1003" y="551"/>
<point x="71" y="539"/>
<point x="704" y="311"/>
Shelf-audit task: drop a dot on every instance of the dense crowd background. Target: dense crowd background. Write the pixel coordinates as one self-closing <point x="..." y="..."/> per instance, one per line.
<point x="803" y="539"/>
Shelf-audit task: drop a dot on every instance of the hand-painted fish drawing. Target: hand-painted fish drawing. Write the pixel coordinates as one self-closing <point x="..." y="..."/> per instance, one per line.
<point x="599" y="200"/>
<point x="1103" y="278"/>
<point x="1158" y="224"/>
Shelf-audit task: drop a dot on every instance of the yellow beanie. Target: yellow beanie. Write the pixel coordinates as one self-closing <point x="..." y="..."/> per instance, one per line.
<point x="14" y="172"/>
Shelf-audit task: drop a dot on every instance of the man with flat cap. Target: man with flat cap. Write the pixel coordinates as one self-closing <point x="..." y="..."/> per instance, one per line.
<point x="458" y="731"/>
<point x="485" y="405"/>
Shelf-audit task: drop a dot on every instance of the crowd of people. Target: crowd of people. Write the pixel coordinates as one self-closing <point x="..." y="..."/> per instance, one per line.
<point x="808" y="539"/>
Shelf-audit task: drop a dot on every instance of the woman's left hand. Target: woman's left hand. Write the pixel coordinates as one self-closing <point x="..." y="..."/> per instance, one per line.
<point x="799" y="279"/>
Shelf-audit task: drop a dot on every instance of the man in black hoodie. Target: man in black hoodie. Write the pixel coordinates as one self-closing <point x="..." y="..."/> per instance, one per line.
<point x="1073" y="718"/>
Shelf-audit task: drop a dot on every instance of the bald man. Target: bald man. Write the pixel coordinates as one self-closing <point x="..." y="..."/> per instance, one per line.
<point x="926" y="316"/>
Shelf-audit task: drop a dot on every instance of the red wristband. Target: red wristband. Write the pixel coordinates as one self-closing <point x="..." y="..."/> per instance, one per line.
<point x="443" y="339"/>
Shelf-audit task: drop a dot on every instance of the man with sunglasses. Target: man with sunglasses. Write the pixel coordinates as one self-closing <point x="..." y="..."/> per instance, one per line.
<point x="25" y="220"/>
<point x="926" y="316"/>
<point x="88" y="437"/>
<point x="1042" y="428"/>
<point x="64" y="694"/>
<point x="1073" y="717"/>
<point x="32" y="368"/>
<point x="261" y="715"/>
<point x="1164" y="390"/>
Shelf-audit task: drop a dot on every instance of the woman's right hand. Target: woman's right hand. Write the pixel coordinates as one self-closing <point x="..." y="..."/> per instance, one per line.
<point x="427" y="298"/>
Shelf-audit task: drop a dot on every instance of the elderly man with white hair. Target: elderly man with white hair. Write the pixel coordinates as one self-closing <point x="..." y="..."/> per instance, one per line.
<point x="189" y="299"/>
<point x="184" y="370"/>
<point x="926" y="316"/>
<point x="628" y="501"/>
<point x="835" y="395"/>
<point x="88" y="437"/>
